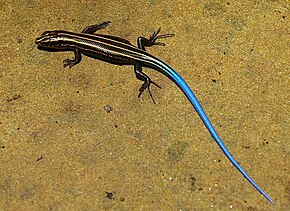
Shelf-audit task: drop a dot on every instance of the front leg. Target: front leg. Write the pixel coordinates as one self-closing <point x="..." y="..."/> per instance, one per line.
<point x="147" y="81"/>
<point x="72" y="62"/>
<point x="93" y="28"/>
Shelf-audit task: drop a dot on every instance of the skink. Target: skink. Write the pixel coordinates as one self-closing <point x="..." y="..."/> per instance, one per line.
<point x="120" y="51"/>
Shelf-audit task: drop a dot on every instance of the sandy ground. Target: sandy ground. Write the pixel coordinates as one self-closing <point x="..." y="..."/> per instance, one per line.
<point x="61" y="150"/>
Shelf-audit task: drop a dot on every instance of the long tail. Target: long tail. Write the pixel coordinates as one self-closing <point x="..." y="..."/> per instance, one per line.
<point x="178" y="80"/>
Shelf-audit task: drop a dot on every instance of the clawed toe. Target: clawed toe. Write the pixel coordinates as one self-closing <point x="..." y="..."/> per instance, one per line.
<point x="146" y="85"/>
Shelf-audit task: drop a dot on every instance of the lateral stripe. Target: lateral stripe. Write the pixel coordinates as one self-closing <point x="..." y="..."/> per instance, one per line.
<point x="105" y="44"/>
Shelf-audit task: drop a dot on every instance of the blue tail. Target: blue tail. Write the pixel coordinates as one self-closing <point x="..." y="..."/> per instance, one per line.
<point x="176" y="78"/>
